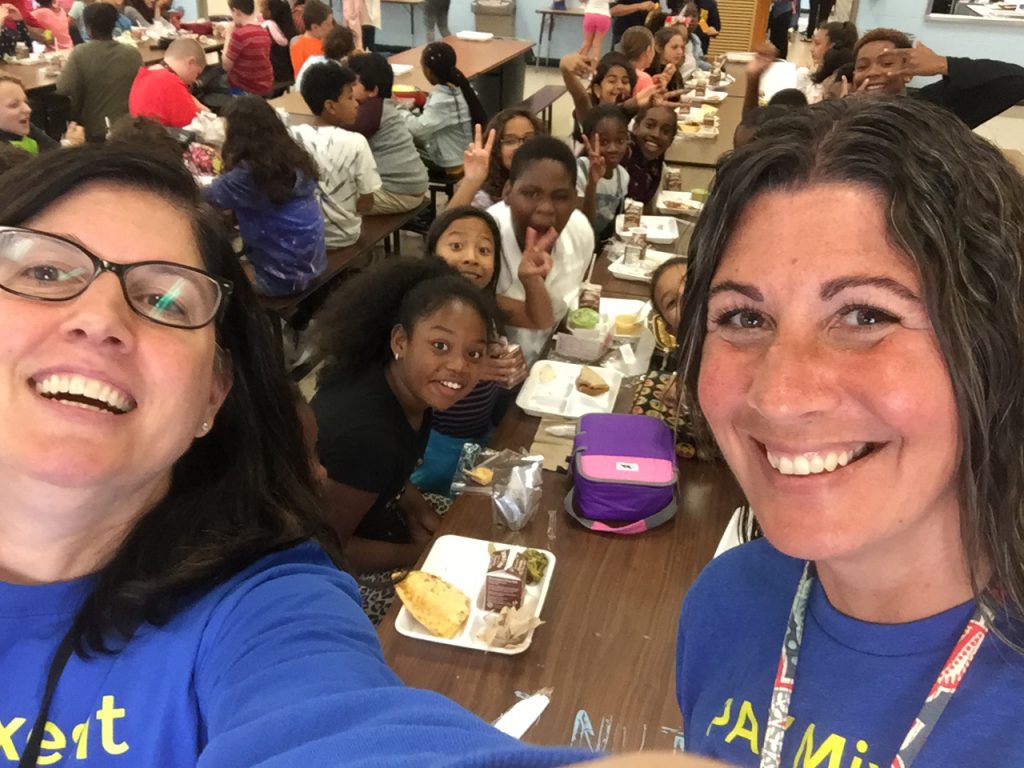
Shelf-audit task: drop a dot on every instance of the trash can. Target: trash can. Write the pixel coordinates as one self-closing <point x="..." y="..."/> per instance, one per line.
<point x="495" y="16"/>
<point x="502" y="87"/>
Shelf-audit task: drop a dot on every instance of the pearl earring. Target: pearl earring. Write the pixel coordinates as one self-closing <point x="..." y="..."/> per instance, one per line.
<point x="206" y="426"/>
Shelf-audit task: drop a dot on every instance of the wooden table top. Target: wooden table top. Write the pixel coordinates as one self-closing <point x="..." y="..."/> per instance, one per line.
<point x="707" y="151"/>
<point x="608" y="644"/>
<point x="33" y="77"/>
<point x="473" y="59"/>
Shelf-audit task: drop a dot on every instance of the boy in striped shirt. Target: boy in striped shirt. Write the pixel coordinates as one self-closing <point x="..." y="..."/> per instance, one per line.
<point x="247" y="52"/>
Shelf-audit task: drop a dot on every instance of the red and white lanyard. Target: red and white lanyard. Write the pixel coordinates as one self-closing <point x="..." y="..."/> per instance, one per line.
<point x="946" y="684"/>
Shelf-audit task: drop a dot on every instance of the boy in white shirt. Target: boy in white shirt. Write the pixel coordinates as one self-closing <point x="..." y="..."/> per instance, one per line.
<point x="541" y="196"/>
<point x="348" y="173"/>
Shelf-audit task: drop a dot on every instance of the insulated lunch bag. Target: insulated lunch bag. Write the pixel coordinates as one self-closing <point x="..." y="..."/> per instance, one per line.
<point x="624" y="473"/>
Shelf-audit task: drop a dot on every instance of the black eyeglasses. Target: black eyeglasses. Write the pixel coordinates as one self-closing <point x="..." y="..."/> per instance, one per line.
<point x="38" y="265"/>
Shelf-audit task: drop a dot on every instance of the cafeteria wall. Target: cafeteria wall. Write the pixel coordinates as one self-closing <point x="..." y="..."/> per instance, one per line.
<point x="976" y="40"/>
<point x="566" y="39"/>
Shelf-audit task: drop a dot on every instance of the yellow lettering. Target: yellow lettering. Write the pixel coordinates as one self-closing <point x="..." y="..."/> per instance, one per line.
<point x="722" y="719"/>
<point x="832" y="748"/>
<point x="107" y="714"/>
<point x="6" y="732"/>
<point x="53" y="738"/>
<point x="80" y="735"/>
<point x="746" y="727"/>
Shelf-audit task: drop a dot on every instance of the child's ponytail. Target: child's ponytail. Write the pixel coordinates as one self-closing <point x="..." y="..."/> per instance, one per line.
<point x="439" y="58"/>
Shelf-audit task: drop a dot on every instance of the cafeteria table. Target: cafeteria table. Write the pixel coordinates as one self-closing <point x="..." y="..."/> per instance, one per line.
<point x="607" y="646"/>
<point x="500" y="58"/>
<point x="694" y="151"/>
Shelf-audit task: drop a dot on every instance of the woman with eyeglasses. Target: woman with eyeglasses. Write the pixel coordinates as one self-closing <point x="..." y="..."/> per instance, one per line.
<point x="166" y="593"/>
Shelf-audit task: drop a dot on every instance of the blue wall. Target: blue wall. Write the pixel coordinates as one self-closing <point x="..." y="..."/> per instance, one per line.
<point x="568" y="34"/>
<point x="1003" y="42"/>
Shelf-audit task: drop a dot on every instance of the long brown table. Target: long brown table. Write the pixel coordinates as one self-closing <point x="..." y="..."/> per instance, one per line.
<point x="473" y="58"/>
<point x="706" y="152"/>
<point x="608" y="644"/>
<point x="33" y="77"/>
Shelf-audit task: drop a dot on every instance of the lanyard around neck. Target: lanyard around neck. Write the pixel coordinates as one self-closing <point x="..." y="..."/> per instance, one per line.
<point x="946" y="684"/>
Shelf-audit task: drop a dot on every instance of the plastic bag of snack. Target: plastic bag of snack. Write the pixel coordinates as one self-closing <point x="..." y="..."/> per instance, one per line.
<point x="516" y="496"/>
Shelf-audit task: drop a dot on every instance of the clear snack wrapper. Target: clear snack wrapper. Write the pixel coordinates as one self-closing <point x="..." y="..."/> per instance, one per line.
<point x="515" y="482"/>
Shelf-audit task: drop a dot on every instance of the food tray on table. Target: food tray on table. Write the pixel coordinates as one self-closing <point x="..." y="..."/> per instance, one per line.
<point x="642" y="271"/>
<point x="678" y="203"/>
<point x="740" y="57"/>
<point x="659" y="229"/>
<point x="704" y="78"/>
<point x="709" y="97"/>
<point x="614" y="308"/>
<point x="463" y="563"/>
<point x="401" y="69"/>
<point x="698" y="132"/>
<point x="550" y="390"/>
<point x="476" y="37"/>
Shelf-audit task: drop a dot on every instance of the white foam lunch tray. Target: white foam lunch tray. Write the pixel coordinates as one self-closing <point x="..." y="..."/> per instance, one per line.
<point x="659" y="229"/>
<point x="462" y="562"/>
<point x="550" y="390"/>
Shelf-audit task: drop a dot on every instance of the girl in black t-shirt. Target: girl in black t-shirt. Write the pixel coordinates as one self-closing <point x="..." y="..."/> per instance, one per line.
<point x="403" y="338"/>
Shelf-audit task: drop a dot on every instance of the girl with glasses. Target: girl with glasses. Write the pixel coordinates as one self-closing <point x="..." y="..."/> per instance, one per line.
<point x="486" y="163"/>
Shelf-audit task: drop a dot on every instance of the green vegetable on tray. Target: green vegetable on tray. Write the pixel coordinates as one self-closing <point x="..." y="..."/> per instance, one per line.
<point x="583" y="319"/>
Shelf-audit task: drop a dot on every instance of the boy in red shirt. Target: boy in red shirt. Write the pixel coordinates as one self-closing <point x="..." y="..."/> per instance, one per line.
<point x="318" y="21"/>
<point x="247" y="52"/>
<point x="162" y="93"/>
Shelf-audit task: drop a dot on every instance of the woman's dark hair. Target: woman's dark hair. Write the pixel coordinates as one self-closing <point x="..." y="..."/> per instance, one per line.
<point x="439" y="59"/>
<point x="100" y="20"/>
<point x="543" y="148"/>
<point x="605" y="65"/>
<point x="238" y="493"/>
<point x="833" y="59"/>
<point x="842" y="34"/>
<point x="788" y="97"/>
<point x="141" y="132"/>
<point x="11" y="157"/>
<point x="497" y="175"/>
<point x="373" y="71"/>
<point x="355" y="333"/>
<point x="280" y="13"/>
<point x="257" y="138"/>
<point x="602" y="112"/>
<point x="635" y="42"/>
<point x="324" y="82"/>
<point x="971" y="269"/>
<point x="339" y="43"/>
<point x="446" y="219"/>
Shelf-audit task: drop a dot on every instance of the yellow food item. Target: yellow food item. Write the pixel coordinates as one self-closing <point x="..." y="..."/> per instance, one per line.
<point x="480" y="475"/>
<point x="434" y="603"/>
<point x="689" y="128"/>
<point x="590" y="383"/>
<point x="546" y="374"/>
<point x="626" y="325"/>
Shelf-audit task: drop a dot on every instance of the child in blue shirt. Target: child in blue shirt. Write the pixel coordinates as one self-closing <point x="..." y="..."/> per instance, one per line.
<point x="270" y="183"/>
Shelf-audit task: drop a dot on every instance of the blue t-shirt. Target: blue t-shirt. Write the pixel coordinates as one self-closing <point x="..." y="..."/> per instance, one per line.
<point x="285" y="243"/>
<point x="858" y="687"/>
<point x="278" y="666"/>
